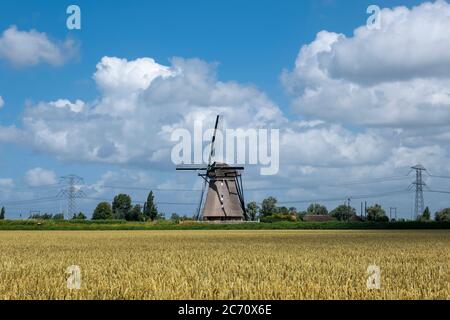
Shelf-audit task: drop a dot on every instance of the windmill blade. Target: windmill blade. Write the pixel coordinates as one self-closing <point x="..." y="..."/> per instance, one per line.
<point x="211" y="155"/>
<point x="191" y="167"/>
<point x="225" y="167"/>
<point x="232" y="168"/>
<point x="199" y="208"/>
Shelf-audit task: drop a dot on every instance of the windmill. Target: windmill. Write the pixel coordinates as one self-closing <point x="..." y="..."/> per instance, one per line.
<point x="225" y="196"/>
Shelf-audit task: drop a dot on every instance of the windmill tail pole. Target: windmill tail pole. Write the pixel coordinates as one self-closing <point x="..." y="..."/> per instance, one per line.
<point x="199" y="208"/>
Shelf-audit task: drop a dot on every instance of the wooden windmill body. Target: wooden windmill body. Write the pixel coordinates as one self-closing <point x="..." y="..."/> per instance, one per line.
<point x="224" y="199"/>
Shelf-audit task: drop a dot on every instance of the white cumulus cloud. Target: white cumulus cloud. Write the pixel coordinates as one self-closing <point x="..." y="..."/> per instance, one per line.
<point x="29" y="48"/>
<point x="40" y="177"/>
<point x="116" y="75"/>
<point x="76" y="106"/>
<point x="342" y="147"/>
<point x="141" y="102"/>
<point x="398" y="76"/>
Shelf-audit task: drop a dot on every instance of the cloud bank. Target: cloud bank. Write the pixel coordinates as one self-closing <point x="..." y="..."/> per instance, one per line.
<point x="397" y="76"/>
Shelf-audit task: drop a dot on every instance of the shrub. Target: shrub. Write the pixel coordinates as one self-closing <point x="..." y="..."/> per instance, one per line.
<point x="279" y="218"/>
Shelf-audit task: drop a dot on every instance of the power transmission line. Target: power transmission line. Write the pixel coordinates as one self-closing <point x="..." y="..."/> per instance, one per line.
<point x="74" y="183"/>
<point x="348" y="183"/>
<point x="357" y="197"/>
<point x="438" y="191"/>
<point x="344" y="184"/>
<point x="147" y="188"/>
<point x="438" y="176"/>
<point x="387" y="179"/>
<point x="46" y="186"/>
<point x="141" y="202"/>
<point x="30" y="201"/>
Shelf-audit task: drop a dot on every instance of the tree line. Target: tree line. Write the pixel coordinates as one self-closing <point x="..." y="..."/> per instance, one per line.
<point x="269" y="210"/>
<point x="122" y="209"/>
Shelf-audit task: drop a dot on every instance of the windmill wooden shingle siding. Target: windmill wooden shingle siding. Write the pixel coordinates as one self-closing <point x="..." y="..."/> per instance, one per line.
<point x="225" y="197"/>
<point x="223" y="201"/>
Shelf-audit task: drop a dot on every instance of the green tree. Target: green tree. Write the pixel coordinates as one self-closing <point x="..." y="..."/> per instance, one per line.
<point x="443" y="215"/>
<point x="121" y="206"/>
<point x="103" y="211"/>
<point x="317" y="210"/>
<point x="79" y="216"/>
<point x="175" y="217"/>
<point x="426" y="215"/>
<point x="252" y="211"/>
<point x="376" y="214"/>
<point x="150" y="209"/>
<point x="283" y="211"/>
<point x="2" y="213"/>
<point x="44" y="216"/>
<point x="343" y="212"/>
<point x="58" y="216"/>
<point x="268" y="207"/>
<point x="135" y="214"/>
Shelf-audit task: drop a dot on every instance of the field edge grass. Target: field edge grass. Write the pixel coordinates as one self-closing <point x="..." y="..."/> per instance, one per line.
<point x="167" y="225"/>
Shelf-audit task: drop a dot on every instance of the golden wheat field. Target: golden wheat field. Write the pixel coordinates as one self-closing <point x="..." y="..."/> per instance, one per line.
<point x="224" y="264"/>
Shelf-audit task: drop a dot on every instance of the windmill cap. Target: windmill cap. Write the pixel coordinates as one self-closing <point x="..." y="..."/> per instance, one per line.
<point x="418" y="167"/>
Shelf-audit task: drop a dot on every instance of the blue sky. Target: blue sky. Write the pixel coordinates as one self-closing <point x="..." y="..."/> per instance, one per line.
<point x="252" y="42"/>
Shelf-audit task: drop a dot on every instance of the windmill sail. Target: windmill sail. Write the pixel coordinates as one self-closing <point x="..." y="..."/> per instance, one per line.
<point x="213" y="142"/>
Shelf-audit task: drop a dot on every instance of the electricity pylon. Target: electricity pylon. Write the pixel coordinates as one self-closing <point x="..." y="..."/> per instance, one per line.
<point x="72" y="192"/>
<point x="418" y="185"/>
